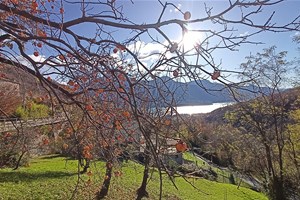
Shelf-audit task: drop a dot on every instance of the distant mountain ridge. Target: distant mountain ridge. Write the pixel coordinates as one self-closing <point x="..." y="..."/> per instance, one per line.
<point x="291" y="97"/>
<point x="203" y="92"/>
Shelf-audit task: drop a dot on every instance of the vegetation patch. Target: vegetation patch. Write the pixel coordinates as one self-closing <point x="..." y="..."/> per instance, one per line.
<point x="53" y="177"/>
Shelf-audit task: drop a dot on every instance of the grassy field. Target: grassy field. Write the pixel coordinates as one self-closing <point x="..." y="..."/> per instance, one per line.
<point x="54" y="177"/>
<point x="223" y="173"/>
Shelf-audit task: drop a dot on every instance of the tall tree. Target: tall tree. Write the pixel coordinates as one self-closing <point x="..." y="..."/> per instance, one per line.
<point x="266" y="118"/>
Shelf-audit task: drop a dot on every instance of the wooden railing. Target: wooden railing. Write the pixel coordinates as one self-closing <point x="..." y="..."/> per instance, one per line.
<point x="11" y="124"/>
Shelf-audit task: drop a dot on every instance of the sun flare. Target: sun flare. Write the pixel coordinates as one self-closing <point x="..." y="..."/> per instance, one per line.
<point x="190" y="39"/>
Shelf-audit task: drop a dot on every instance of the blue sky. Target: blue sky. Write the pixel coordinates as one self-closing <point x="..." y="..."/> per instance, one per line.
<point x="143" y="11"/>
<point x="148" y="11"/>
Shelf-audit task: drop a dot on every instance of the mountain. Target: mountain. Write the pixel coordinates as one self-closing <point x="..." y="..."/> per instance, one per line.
<point x="199" y="92"/>
<point x="19" y="84"/>
<point x="163" y="89"/>
<point x="290" y="97"/>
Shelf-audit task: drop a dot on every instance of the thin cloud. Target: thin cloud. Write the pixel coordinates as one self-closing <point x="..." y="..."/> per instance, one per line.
<point x="176" y="9"/>
<point x="147" y="51"/>
<point x="295" y="34"/>
<point x="244" y="34"/>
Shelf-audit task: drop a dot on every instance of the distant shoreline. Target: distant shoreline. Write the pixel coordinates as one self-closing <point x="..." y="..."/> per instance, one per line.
<point x="201" y="109"/>
<point x="203" y="104"/>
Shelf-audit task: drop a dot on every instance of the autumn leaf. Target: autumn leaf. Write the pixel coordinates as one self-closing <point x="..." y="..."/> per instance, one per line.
<point x="39" y="45"/>
<point x="34" y="5"/>
<point x="89" y="108"/>
<point x="168" y="122"/>
<point x="181" y="146"/>
<point x="121" y="47"/>
<point x="86" y="148"/>
<point x="45" y="141"/>
<point x="89" y="173"/>
<point x="65" y="146"/>
<point x="215" y="75"/>
<point x="118" y="173"/>
<point x="118" y="125"/>
<point x="126" y="114"/>
<point x="175" y="73"/>
<point x="41" y="33"/>
<point x="99" y="91"/>
<point x="71" y="83"/>
<point x="109" y="165"/>
<point x="36" y="54"/>
<point x="121" y="90"/>
<point x="61" y="57"/>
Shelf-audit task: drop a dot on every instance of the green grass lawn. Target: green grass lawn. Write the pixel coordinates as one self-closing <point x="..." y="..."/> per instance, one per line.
<point x="223" y="174"/>
<point x="56" y="177"/>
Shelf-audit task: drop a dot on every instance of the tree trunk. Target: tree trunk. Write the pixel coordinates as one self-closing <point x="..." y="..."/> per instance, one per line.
<point x="141" y="192"/>
<point x="19" y="161"/>
<point x="105" y="186"/>
<point x="277" y="191"/>
<point x="86" y="166"/>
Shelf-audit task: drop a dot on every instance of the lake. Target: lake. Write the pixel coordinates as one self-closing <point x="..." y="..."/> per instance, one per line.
<point x="200" y="108"/>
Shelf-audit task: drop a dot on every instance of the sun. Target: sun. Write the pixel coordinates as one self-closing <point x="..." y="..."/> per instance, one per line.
<point x="190" y="39"/>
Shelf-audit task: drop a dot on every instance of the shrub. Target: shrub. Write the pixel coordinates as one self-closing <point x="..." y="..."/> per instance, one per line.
<point x="32" y="110"/>
<point x="231" y="179"/>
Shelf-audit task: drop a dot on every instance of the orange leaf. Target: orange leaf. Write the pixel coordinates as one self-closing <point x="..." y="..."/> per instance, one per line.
<point x="121" y="90"/>
<point x="41" y="33"/>
<point x="89" y="173"/>
<point x="45" y="141"/>
<point x="34" y="5"/>
<point x="39" y="99"/>
<point x="69" y="130"/>
<point x="181" y="146"/>
<point x="65" y="146"/>
<point x="61" y="57"/>
<point x="168" y="122"/>
<point x="118" y="173"/>
<point x="86" y="148"/>
<point x="99" y="91"/>
<point x="39" y="45"/>
<point x="87" y="155"/>
<point x="71" y="83"/>
<point x="89" y="108"/>
<point x="126" y="114"/>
